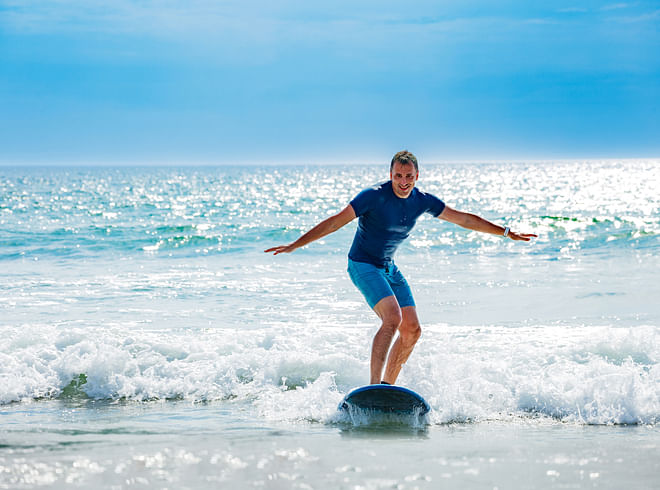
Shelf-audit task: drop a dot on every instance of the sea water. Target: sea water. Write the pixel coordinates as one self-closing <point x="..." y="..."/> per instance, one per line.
<point x="147" y="341"/>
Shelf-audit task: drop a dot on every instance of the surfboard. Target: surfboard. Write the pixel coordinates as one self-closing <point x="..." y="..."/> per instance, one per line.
<point x="387" y="399"/>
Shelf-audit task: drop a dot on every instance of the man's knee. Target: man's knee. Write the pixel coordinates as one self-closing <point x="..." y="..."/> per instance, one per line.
<point x="410" y="332"/>
<point x="392" y="321"/>
<point x="389" y="312"/>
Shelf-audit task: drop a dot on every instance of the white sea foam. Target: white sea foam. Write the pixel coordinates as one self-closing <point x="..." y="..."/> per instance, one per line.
<point x="577" y="374"/>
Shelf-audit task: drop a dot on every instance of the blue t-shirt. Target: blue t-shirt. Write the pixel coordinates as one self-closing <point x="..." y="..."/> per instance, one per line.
<point x="385" y="220"/>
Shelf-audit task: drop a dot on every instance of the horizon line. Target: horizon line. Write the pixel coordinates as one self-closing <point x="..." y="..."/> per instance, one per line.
<point x="311" y="163"/>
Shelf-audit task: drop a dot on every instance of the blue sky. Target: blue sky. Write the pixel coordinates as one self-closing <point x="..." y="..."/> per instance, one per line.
<point x="200" y="81"/>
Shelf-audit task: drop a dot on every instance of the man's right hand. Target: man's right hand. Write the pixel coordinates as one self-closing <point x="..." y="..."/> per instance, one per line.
<point x="281" y="249"/>
<point x="325" y="227"/>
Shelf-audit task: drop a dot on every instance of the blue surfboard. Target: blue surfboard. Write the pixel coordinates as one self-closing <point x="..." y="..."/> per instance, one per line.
<point x="386" y="399"/>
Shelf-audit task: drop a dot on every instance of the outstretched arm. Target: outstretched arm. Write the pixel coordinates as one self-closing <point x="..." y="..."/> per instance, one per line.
<point x="477" y="223"/>
<point x="325" y="227"/>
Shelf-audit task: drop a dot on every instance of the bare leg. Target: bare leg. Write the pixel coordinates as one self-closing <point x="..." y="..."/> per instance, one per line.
<point x="389" y="312"/>
<point x="409" y="332"/>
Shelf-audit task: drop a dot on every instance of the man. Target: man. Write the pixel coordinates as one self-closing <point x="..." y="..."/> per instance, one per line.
<point x="387" y="214"/>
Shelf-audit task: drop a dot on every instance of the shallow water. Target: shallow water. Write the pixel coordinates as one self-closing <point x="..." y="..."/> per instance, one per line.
<point x="147" y="339"/>
<point x="178" y="444"/>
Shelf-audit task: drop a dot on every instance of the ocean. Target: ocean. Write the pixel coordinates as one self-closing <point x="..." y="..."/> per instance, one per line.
<point x="147" y="341"/>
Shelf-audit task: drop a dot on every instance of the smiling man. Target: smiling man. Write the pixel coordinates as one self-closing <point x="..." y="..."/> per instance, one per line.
<point x="387" y="214"/>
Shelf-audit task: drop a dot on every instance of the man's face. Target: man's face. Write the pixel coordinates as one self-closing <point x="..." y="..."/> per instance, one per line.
<point x="403" y="179"/>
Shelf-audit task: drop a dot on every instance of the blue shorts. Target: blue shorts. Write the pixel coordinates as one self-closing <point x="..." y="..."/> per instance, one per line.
<point x="376" y="283"/>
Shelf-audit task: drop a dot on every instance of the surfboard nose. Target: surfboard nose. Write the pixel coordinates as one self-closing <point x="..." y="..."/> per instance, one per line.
<point x="385" y="398"/>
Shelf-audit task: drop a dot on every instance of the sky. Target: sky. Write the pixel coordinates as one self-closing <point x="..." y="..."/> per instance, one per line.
<point x="234" y="82"/>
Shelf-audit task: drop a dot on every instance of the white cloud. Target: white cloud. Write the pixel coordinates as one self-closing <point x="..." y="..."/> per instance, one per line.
<point x="644" y="17"/>
<point x="615" y="6"/>
<point x="171" y="18"/>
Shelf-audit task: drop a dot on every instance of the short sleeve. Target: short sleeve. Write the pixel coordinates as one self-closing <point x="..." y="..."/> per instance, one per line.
<point x="435" y="206"/>
<point x="363" y="201"/>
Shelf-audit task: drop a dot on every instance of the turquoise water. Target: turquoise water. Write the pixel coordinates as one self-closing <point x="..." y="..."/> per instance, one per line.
<point x="147" y="340"/>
